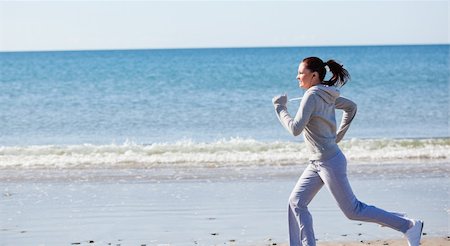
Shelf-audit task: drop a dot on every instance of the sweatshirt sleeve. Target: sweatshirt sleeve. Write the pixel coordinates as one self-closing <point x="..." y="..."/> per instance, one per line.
<point x="296" y="125"/>
<point x="349" y="108"/>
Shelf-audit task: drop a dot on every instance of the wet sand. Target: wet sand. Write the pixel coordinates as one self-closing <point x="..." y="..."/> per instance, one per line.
<point x="208" y="206"/>
<point x="426" y="241"/>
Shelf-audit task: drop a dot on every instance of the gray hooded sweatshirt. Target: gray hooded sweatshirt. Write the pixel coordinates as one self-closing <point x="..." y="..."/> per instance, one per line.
<point x="316" y="118"/>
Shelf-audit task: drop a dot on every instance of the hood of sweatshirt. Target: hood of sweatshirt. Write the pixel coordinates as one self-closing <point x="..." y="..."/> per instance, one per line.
<point x="327" y="93"/>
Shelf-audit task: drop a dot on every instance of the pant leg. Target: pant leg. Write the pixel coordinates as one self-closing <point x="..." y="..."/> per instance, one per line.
<point x="300" y="220"/>
<point x="334" y="174"/>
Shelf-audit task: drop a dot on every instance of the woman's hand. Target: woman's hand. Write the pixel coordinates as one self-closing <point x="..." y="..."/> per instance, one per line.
<point x="279" y="100"/>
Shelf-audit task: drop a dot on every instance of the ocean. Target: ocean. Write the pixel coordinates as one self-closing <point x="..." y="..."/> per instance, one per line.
<point x="213" y="106"/>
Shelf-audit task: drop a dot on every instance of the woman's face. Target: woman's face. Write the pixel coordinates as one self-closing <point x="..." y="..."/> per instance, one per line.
<point x="305" y="77"/>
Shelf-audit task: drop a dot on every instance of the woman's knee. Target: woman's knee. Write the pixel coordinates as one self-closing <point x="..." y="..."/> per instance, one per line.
<point x="297" y="201"/>
<point x="352" y="215"/>
<point x="355" y="212"/>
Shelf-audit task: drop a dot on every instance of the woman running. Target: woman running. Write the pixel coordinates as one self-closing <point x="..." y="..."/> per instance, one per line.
<point x="327" y="164"/>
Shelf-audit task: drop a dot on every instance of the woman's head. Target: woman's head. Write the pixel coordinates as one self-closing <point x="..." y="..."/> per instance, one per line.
<point x="312" y="71"/>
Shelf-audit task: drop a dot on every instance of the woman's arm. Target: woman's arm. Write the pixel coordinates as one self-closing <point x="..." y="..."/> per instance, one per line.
<point x="349" y="108"/>
<point x="294" y="126"/>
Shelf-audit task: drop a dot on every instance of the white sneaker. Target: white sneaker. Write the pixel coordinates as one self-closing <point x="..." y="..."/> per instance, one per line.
<point x="414" y="233"/>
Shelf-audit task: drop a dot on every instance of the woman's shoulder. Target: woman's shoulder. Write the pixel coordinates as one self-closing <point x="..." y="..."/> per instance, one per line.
<point x="311" y="93"/>
<point x="309" y="97"/>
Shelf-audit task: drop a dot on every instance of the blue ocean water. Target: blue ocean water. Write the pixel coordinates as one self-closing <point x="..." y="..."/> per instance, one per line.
<point x="163" y="96"/>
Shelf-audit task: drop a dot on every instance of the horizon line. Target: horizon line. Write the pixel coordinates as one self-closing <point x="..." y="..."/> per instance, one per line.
<point x="219" y="47"/>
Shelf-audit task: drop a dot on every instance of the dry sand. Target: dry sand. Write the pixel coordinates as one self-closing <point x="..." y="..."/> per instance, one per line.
<point x="426" y="241"/>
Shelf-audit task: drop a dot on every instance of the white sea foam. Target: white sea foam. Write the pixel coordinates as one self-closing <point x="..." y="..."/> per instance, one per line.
<point x="232" y="152"/>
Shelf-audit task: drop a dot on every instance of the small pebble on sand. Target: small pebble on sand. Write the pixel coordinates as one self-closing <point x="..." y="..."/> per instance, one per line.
<point x="7" y="194"/>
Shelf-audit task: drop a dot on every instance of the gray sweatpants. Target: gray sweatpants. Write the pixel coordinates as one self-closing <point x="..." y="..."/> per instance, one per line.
<point x="332" y="173"/>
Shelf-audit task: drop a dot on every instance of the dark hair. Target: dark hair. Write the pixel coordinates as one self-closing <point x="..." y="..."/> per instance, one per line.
<point x="340" y="74"/>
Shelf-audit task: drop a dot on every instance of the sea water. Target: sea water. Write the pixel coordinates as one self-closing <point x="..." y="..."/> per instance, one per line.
<point x="142" y="103"/>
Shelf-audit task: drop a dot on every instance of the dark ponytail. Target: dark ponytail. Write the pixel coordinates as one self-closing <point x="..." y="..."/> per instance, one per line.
<point x="340" y="74"/>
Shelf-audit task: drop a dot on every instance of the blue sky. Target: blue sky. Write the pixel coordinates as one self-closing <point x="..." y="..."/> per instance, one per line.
<point x="87" y="25"/>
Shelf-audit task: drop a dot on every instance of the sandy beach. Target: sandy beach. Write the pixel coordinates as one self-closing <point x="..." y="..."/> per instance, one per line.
<point x="209" y="206"/>
<point x="426" y="241"/>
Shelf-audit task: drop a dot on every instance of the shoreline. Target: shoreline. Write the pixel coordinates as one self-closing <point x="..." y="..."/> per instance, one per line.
<point x="233" y="153"/>
<point x="217" y="173"/>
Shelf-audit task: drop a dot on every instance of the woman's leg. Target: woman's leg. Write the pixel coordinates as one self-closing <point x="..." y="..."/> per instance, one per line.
<point x="334" y="174"/>
<point x="300" y="221"/>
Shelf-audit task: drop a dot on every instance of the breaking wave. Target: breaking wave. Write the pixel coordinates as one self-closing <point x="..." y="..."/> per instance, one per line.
<point x="222" y="153"/>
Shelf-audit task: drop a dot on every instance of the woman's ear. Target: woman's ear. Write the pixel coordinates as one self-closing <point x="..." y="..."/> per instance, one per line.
<point x="316" y="74"/>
